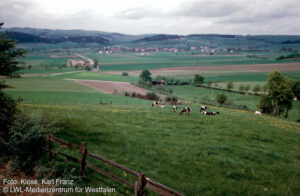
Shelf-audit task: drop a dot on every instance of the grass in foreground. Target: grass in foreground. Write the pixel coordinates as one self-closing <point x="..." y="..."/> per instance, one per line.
<point x="235" y="153"/>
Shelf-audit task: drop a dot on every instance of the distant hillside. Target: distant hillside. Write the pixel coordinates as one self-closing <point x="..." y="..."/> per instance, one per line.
<point x="25" y="37"/>
<point x="160" y="37"/>
<point x="100" y="38"/>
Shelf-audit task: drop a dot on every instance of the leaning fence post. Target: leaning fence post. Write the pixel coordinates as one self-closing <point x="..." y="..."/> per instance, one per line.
<point x="139" y="186"/>
<point x="83" y="157"/>
<point x="48" y="147"/>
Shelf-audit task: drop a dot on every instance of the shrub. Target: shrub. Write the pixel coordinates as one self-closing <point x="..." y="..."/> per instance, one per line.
<point x="126" y="93"/>
<point x="133" y="94"/>
<point x="152" y="96"/>
<point x="144" y="83"/>
<point x="28" y="142"/>
<point x="184" y="83"/>
<point x="241" y="88"/>
<point x="256" y="89"/>
<point x="246" y="88"/>
<point x="230" y="85"/>
<point x="265" y="105"/>
<point x="125" y="74"/>
<point x="87" y="68"/>
<point x="198" y="79"/>
<point x="221" y="98"/>
<point x="7" y="114"/>
<point x="209" y="83"/>
<point x="173" y="100"/>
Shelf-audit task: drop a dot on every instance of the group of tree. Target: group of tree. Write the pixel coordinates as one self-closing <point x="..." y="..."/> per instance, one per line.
<point x="280" y="94"/>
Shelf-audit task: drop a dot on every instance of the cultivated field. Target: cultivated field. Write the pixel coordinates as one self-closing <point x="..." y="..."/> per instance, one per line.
<point x="113" y="87"/>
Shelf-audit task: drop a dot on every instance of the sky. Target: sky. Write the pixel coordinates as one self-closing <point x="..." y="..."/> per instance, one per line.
<point x="135" y="17"/>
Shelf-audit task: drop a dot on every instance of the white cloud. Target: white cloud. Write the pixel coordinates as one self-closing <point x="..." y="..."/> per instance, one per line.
<point x="157" y="16"/>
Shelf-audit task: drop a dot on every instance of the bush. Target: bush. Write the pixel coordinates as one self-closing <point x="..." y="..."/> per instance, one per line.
<point x="7" y="114"/>
<point x="209" y="83"/>
<point x="184" y="83"/>
<point x="265" y="105"/>
<point x="256" y="89"/>
<point x="133" y="94"/>
<point x="221" y="98"/>
<point x="87" y="68"/>
<point x="241" y="88"/>
<point x="173" y="100"/>
<point x="27" y="143"/>
<point x="125" y="74"/>
<point x="198" y="79"/>
<point x="126" y="94"/>
<point x="230" y="85"/>
<point x="144" y="83"/>
<point x="152" y="96"/>
<point x="246" y="88"/>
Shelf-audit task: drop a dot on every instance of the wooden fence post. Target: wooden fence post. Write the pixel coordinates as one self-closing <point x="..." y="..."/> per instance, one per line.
<point x="48" y="147"/>
<point x="139" y="186"/>
<point x="83" y="157"/>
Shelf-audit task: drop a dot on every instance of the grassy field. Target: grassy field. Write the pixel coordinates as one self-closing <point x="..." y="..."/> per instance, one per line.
<point x="98" y="76"/>
<point x="235" y="153"/>
<point x="50" y="90"/>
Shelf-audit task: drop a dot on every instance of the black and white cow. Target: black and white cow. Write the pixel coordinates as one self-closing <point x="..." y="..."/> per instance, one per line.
<point x="156" y="103"/>
<point x="174" y="108"/>
<point x="185" y="111"/>
<point x="203" y="108"/>
<point x="210" y="113"/>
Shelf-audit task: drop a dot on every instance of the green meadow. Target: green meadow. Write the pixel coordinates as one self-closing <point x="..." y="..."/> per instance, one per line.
<point x="50" y="90"/>
<point x="234" y="153"/>
<point x="85" y="75"/>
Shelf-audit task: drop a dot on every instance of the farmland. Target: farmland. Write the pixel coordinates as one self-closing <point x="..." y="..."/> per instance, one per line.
<point x="234" y="153"/>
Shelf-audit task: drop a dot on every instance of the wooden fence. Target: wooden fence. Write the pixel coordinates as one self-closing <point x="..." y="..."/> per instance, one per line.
<point x="141" y="183"/>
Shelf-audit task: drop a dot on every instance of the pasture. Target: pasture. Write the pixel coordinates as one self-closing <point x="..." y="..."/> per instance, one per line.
<point x="234" y="153"/>
<point x="50" y="90"/>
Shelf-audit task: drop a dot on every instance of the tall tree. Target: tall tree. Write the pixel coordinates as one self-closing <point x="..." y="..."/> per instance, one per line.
<point x="8" y="64"/>
<point x="9" y="55"/>
<point x="146" y="76"/>
<point x="279" y="92"/>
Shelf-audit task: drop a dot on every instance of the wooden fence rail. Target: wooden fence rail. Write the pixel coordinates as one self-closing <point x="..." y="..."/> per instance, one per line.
<point x="139" y="186"/>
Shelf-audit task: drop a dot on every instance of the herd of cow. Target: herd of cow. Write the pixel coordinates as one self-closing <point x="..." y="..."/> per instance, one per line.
<point x="187" y="110"/>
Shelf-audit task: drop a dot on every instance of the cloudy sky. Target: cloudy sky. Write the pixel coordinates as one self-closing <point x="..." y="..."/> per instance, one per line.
<point x="156" y="16"/>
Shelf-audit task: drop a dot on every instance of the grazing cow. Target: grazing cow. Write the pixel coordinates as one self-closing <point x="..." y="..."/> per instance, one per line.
<point x="162" y="105"/>
<point x="185" y="111"/>
<point x="155" y="103"/>
<point x="210" y="113"/>
<point x="175" y="108"/>
<point x="257" y="113"/>
<point x="203" y="108"/>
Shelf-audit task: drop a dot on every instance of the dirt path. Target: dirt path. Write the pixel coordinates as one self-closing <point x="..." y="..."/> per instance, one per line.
<point x="246" y="68"/>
